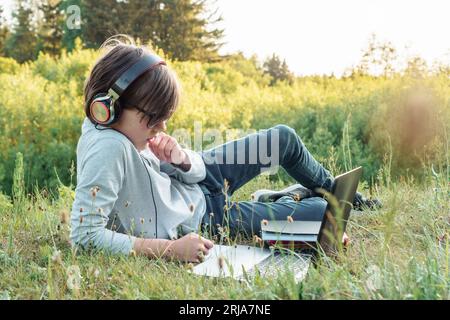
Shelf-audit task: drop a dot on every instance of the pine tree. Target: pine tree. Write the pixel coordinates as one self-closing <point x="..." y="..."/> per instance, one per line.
<point x="142" y="18"/>
<point x="4" y="32"/>
<point x="279" y="71"/>
<point x="378" y="59"/>
<point x="22" y="43"/>
<point x="183" y="32"/>
<point x="51" y="28"/>
<point x="181" y="28"/>
<point x="102" y="19"/>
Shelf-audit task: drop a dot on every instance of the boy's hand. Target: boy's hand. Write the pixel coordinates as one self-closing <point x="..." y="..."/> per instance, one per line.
<point x="190" y="248"/>
<point x="166" y="148"/>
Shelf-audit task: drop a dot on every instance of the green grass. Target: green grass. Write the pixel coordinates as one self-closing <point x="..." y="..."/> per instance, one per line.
<point x="398" y="252"/>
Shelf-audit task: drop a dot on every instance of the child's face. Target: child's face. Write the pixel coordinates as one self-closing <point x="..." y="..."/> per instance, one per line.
<point x="132" y="125"/>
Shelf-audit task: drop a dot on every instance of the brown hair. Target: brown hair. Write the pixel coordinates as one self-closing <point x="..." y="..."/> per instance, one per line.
<point x="156" y="93"/>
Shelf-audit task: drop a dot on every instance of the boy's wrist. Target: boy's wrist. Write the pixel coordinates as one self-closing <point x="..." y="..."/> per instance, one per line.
<point x="185" y="165"/>
<point x="152" y="248"/>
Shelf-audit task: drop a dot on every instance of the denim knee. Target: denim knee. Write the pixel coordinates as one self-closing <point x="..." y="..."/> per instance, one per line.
<point x="313" y="209"/>
<point x="285" y="133"/>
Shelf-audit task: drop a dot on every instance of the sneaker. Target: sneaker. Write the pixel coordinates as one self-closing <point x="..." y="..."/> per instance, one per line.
<point x="360" y="203"/>
<point x="296" y="192"/>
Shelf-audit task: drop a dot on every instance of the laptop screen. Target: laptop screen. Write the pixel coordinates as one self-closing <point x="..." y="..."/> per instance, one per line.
<point x="340" y="203"/>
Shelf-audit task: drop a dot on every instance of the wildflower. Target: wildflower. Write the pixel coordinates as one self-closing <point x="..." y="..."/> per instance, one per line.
<point x="290" y="219"/>
<point x="201" y="256"/>
<point x="441" y="240"/>
<point x="94" y="191"/>
<point x="265" y="222"/>
<point x="221" y="262"/>
<point x="64" y="217"/>
<point x="73" y="277"/>
<point x="190" y="266"/>
<point x="257" y="240"/>
<point x="225" y="184"/>
<point x="56" y="256"/>
<point x="373" y="281"/>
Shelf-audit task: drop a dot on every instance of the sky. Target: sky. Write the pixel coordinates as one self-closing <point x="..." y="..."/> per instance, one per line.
<point x="326" y="36"/>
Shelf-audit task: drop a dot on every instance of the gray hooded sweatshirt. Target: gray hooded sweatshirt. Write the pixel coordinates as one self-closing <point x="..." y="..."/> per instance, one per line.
<point x="137" y="195"/>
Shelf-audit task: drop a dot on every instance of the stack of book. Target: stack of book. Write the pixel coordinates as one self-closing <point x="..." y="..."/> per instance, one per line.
<point x="291" y="235"/>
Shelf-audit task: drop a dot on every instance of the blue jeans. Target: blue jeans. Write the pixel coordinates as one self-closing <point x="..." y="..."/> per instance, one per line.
<point x="287" y="150"/>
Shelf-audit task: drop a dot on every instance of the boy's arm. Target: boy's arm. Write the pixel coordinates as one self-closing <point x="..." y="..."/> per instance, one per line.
<point x="191" y="171"/>
<point x="98" y="186"/>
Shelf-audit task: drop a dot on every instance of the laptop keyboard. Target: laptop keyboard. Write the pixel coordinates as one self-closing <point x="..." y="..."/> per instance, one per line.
<point x="282" y="263"/>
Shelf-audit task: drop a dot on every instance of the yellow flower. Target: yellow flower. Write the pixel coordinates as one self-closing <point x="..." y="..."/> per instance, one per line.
<point x="64" y="215"/>
<point x="74" y="277"/>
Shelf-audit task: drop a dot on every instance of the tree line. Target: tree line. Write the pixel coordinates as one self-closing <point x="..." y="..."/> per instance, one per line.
<point x="183" y="29"/>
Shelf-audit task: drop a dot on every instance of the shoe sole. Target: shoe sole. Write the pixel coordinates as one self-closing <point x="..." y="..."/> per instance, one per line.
<point x="266" y="192"/>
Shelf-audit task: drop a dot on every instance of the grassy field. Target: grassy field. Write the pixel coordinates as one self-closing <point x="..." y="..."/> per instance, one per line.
<point x="398" y="252"/>
<point x="395" y="126"/>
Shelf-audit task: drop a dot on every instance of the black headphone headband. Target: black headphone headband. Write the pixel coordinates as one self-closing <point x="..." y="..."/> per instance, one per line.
<point x="147" y="62"/>
<point x="102" y="109"/>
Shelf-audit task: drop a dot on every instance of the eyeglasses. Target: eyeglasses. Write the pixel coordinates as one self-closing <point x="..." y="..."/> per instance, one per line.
<point x="150" y="117"/>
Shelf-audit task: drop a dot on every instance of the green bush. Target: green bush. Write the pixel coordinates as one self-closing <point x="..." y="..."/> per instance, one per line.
<point x="362" y="120"/>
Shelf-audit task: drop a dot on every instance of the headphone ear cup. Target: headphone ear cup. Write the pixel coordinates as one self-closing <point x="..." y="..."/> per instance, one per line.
<point x="116" y="109"/>
<point x="101" y="110"/>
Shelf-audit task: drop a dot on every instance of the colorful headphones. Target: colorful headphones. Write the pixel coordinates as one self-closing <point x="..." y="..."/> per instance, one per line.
<point x="102" y="109"/>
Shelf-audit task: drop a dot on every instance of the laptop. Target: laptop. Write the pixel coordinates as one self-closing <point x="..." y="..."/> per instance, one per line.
<point x="243" y="262"/>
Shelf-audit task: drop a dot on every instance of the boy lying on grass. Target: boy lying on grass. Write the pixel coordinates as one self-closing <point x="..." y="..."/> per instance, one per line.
<point x="139" y="192"/>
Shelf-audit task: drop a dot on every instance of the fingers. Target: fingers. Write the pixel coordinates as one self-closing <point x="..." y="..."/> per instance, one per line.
<point x="163" y="146"/>
<point x="204" y="250"/>
<point x="169" y="147"/>
<point x="155" y="146"/>
<point x="208" y="243"/>
<point x="199" y="247"/>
